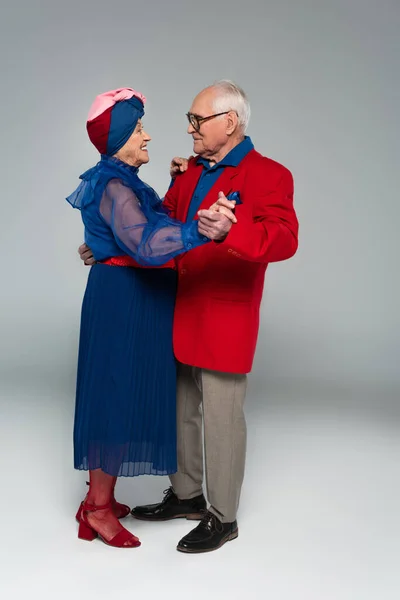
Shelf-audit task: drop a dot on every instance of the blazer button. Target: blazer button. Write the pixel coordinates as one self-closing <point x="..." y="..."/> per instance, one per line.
<point x="183" y="271"/>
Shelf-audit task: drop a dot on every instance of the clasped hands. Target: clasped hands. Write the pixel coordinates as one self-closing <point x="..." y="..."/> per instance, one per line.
<point x="214" y="222"/>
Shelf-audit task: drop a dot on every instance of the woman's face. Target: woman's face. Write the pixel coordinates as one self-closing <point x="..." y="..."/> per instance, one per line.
<point x="134" y="152"/>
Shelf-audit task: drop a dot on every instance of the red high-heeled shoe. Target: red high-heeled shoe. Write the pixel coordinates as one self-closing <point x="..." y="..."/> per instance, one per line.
<point x="120" y="510"/>
<point x="88" y="533"/>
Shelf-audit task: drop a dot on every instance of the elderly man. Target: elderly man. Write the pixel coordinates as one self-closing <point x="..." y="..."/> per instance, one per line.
<point x="217" y="309"/>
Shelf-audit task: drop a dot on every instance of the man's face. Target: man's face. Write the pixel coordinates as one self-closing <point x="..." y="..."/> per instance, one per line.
<point x="212" y="135"/>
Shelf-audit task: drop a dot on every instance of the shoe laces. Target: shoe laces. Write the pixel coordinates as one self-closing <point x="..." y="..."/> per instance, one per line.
<point x="210" y="521"/>
<point x="168" y="493"/>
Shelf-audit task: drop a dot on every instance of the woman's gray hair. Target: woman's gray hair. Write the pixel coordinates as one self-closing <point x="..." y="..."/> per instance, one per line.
<point x="231" y="97"/>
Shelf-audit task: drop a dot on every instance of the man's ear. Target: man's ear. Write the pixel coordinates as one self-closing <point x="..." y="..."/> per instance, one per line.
<point x="232" y="122"/>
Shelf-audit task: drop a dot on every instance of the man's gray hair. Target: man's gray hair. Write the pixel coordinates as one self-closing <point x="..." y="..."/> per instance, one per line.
<point x="231" y="97"/>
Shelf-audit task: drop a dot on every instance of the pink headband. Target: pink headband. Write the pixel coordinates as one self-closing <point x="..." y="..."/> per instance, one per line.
<point x="108" y="99"/>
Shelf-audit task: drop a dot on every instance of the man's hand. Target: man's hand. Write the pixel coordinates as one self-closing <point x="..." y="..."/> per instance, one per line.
<point x="86" y="255"/>
<point x="178" y="165"/>
<point x="216" y="225"/>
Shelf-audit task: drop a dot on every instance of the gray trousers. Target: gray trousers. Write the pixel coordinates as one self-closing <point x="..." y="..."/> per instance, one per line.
<point x="216" y="399"/>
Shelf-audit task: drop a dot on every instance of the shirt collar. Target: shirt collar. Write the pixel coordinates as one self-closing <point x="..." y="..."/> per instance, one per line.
<point x="233" y="158"/>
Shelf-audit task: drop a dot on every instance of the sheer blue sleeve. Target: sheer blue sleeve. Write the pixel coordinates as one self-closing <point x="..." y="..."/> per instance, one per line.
<point x="146" y="234"/>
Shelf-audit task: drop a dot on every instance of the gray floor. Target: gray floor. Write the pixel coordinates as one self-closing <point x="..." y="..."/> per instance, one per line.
<point x="319" y="517"/>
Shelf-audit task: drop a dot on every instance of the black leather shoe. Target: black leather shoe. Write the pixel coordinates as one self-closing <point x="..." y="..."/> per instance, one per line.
<point x="210" y="534"/>
<point x="172" y="508"/>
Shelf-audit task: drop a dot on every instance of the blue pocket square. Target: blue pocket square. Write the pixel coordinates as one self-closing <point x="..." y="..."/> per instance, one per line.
<point x="234" y="196"/>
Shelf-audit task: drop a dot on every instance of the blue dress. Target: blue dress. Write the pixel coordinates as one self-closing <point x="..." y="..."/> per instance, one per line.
<point x="125" y="415"/>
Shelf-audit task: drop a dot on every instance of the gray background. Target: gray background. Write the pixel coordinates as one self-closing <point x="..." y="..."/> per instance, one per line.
<point x="323" y="81"/>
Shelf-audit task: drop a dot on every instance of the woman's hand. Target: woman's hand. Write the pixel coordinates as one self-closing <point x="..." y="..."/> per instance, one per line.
<point x="178" y="165"/>
<point x="224" y="206"/>
<point x="216" y="222"/>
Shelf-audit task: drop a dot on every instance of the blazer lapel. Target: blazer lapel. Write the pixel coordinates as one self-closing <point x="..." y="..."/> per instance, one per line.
<point x="225" y="183"/>
<point x="188" y="186"/>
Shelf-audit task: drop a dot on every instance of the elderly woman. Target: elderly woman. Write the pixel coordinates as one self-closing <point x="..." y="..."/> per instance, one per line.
<point x="125" y="416"/>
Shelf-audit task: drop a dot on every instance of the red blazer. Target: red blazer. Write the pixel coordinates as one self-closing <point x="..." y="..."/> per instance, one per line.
<point x="221" y="284"/>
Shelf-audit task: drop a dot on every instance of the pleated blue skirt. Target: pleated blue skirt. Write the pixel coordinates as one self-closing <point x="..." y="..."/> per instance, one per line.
<point x="125" y="414"/>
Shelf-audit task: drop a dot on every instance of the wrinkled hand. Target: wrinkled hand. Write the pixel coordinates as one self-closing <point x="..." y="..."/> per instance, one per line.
<point x="86" y="255"/>
<point x="222" y="203"/>
<point x="215" y="223"/>
<point x="178" y="165"/>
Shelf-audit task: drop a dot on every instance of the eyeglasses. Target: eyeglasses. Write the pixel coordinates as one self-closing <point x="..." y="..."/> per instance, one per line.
<point x="196" y="121"/>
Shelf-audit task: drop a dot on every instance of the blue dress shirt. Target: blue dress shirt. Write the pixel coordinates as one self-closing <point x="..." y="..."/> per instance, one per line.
<point x="210" y="175"/>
